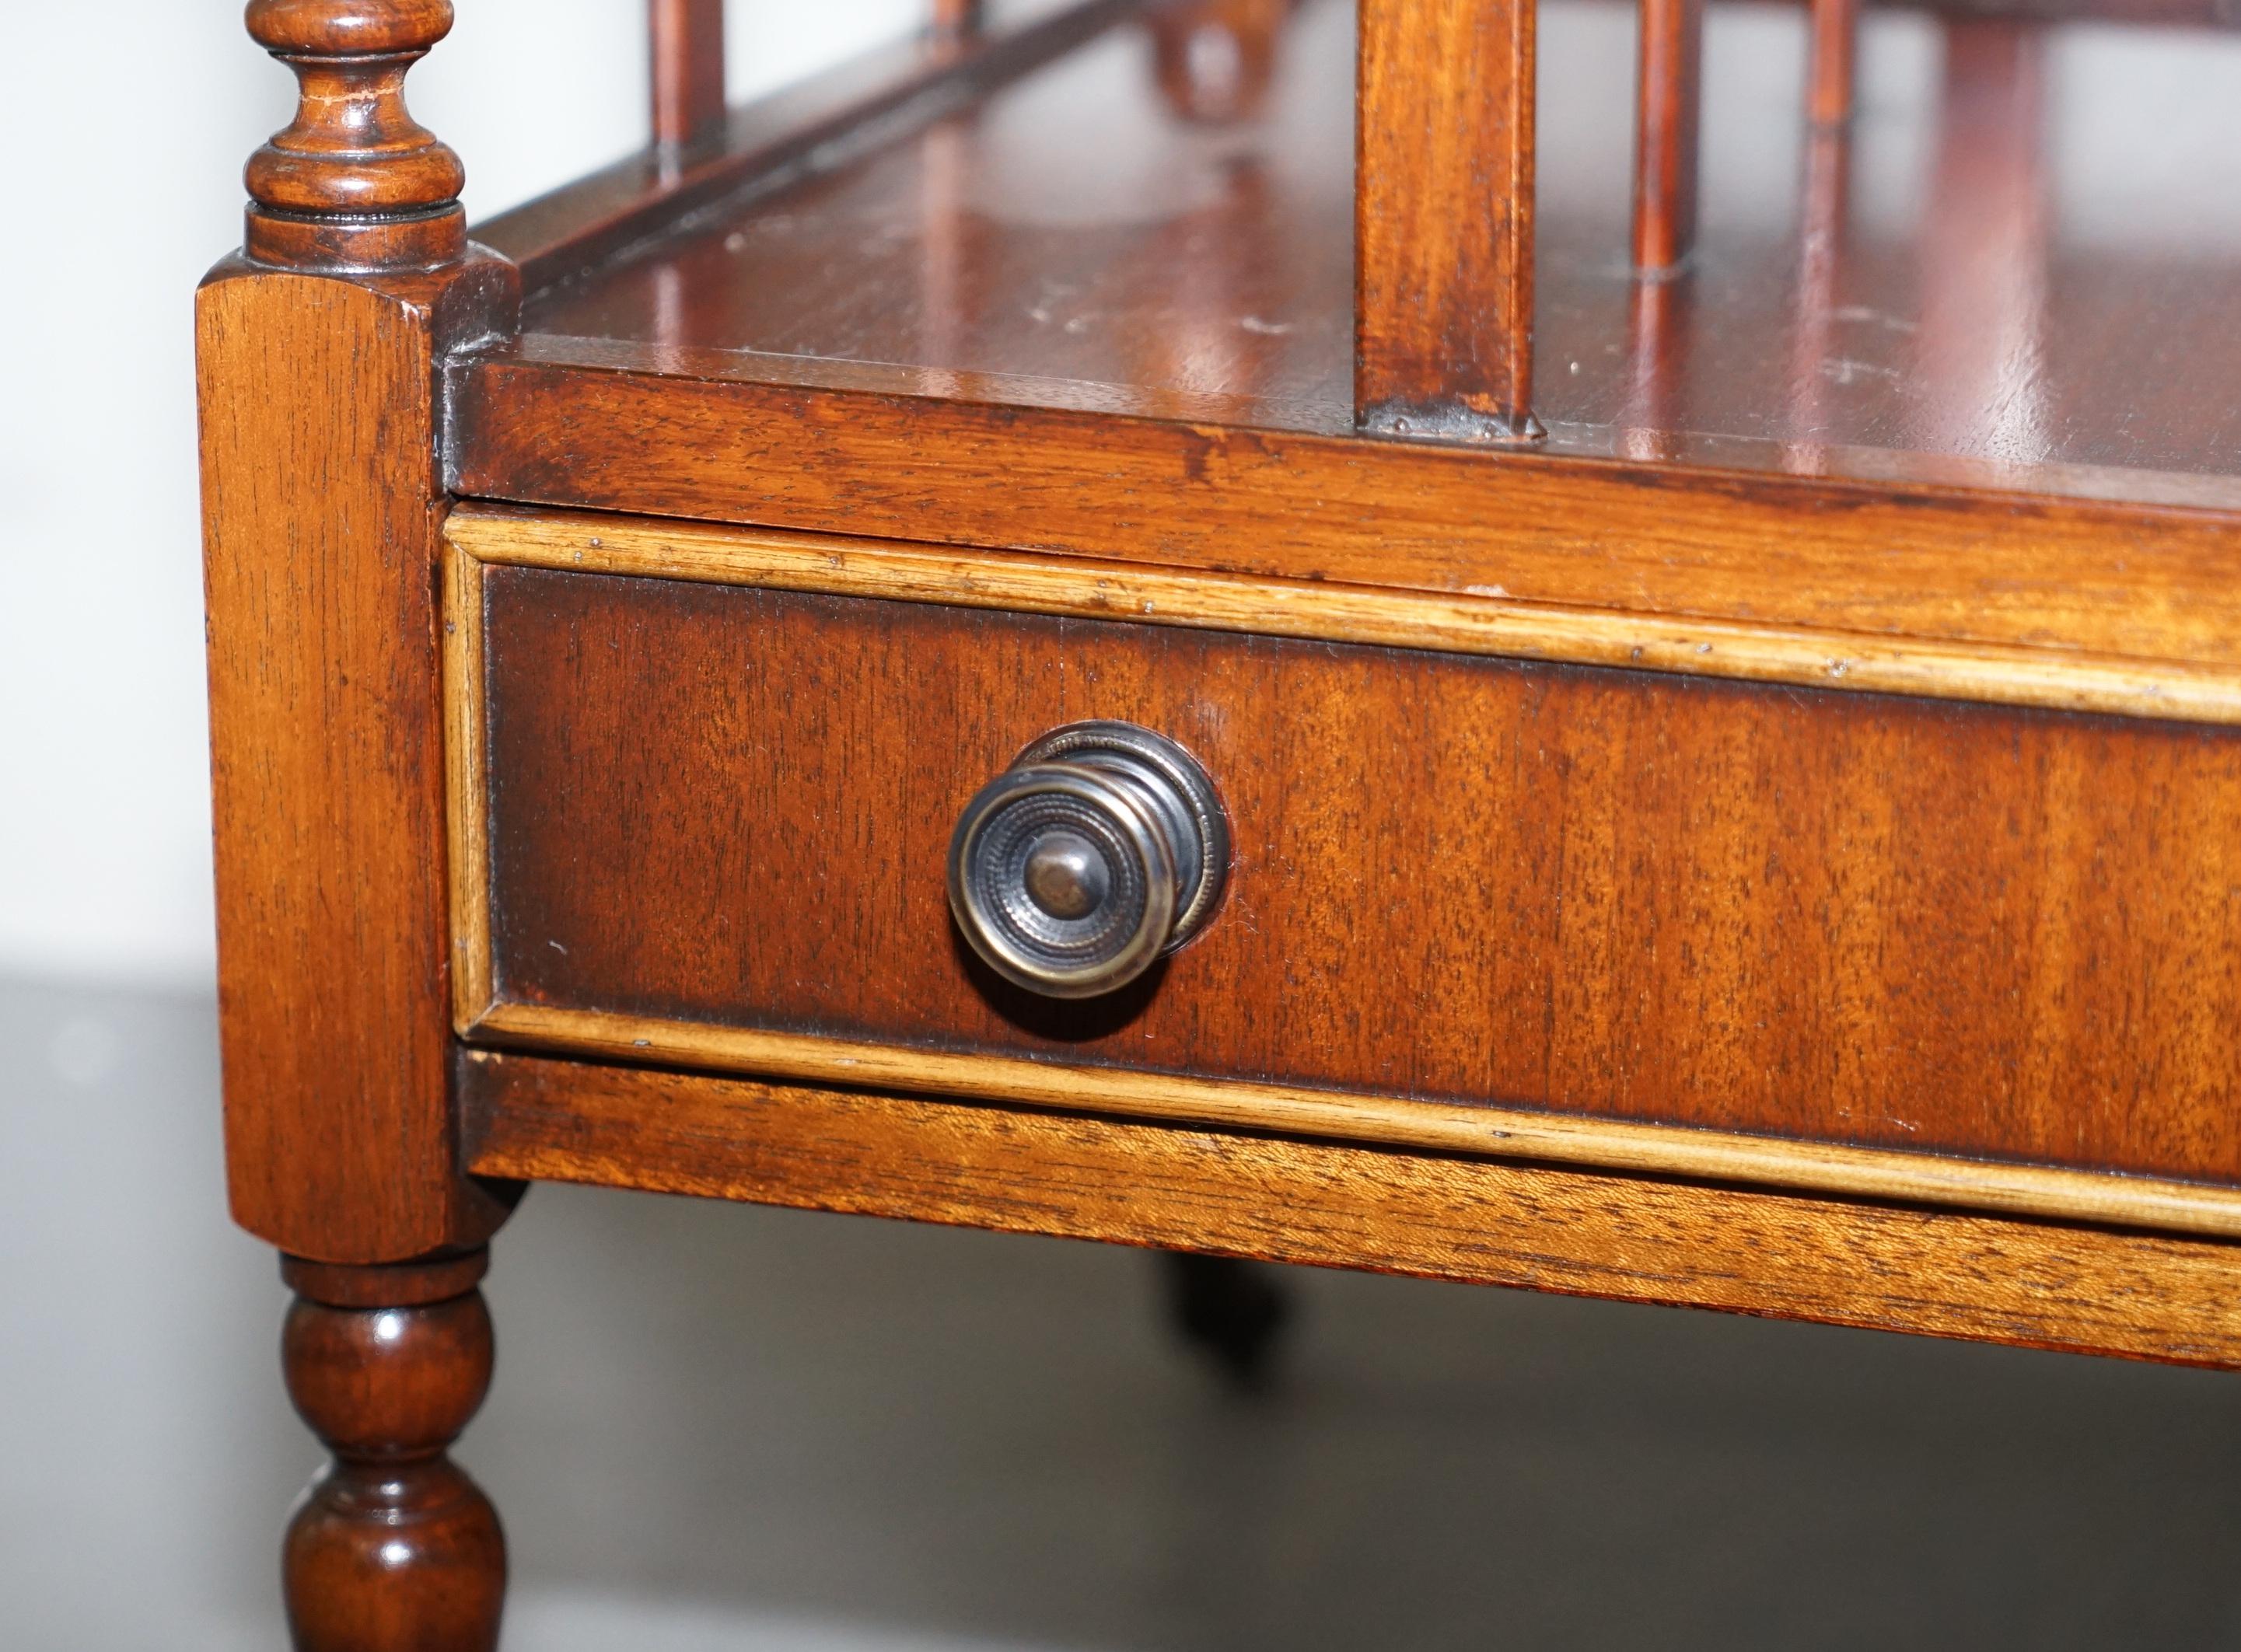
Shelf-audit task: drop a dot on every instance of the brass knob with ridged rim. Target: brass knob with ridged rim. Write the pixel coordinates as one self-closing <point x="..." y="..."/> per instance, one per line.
<point x="1101" y="848"/>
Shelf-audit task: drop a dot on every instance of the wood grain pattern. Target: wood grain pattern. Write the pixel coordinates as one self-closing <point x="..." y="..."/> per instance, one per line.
<point x="797" y="132"/>
<point x="685" y="58"/>
<point x="1443" y="219"/>
<point x="2144" y="1202"/>
<point x="2036" y="1284"/>
<point x="354" y="182"/>
<point x="2141" y="582"/>
<point x="467" y="786"/>
<point x="392" y="1548"/>
<point x="1321" y="611"/>
<point x="1208" y="274"/>
<point x="322" y="510"/>
<point x="1835" y="917"/>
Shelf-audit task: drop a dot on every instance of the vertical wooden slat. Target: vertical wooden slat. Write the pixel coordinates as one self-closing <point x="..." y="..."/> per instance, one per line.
<point x="1832" y="66"/>
<point x="1985" y="252"/>
<point x="1823" y="216"/>
<point x="1443" y="207"/>
<point x="687" y="57"/>
<point x="1668" y="101"/>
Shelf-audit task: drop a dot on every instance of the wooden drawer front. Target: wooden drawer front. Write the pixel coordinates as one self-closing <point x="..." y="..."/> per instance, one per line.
<point x="1842" y="917"/>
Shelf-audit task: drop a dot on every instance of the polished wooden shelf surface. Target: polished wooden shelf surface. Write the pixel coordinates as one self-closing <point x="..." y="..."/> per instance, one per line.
<point x="1968" y="292"/>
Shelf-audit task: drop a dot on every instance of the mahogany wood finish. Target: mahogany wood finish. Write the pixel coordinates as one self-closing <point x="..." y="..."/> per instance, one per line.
<point x="685" y="57"/>
<point x="1057" y="586"/>
<point x="393" y="1547"/>
<point x="2038" y="1284"/>
<point x="817" y="449"/>
<point x="1769" y="849"/>
<point x="1891" y="1175"/>
<point x="1831" y="60"/>
<point x="1208" y="278"/>
<point x="1669" y="72"/>
<point x="1443" y="219"/>
<point x="355" y="183"/>
<point x="802" y="132"/>
<point x="1216" y="59"/>
<point x="1834" y="916"/>
<point x="321" y="514"/>
<point x="1469" y="622"/>
<point x="319" y="355"/>
<point x="322" y="504"/>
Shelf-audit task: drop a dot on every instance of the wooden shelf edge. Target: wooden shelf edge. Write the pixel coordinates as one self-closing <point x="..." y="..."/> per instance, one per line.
<point x="1327" y="610"/>
<point x="1179" y="1186"/>
<point x="2152" y="1204"/>
<point x="2126" y="581"/>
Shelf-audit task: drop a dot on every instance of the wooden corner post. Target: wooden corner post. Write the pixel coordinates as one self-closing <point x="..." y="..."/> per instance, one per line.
<point x="319" y="349"/>
<point x="1444" y="220"/>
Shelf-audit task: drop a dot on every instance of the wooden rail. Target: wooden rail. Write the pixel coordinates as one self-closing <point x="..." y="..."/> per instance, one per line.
<point x="817" y="123"/>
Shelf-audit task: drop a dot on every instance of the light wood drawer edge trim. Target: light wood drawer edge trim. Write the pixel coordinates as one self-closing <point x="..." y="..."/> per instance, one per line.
<point x="1604" y="1144"/>
<point x="466" y="796"/>
<point x="1990" y="673"/>
<point x="1337" y="1204"/>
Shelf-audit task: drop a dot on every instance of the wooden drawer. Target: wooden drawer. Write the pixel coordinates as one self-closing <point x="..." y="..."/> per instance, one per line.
<point x="1474" y="898"/>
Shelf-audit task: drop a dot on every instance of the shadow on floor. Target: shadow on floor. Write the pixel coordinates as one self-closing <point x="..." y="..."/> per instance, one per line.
<point x="719" y="1428"/>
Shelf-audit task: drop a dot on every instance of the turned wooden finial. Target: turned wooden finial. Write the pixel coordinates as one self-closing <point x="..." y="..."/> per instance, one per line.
<point x="354" y="183"/>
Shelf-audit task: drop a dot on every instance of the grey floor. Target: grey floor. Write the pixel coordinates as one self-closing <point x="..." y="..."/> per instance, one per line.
<point x="721" y="1428"/>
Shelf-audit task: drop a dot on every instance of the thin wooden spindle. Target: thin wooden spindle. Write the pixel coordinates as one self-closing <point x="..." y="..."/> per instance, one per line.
<point x="1667" y="103"/>
<point x="1832" y="61"/>
<point x="1443" y="208"/>
<point x="1823" y="218"/>
<point x="956" y="19"/>
<point x="687" y="58"/>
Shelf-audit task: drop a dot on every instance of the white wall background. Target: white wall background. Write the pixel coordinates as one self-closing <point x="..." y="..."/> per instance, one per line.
<point x="132" y="118"/>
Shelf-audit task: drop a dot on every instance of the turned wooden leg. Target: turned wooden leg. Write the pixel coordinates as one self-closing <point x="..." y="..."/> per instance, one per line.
<point x="1235" y="1311"/>
<point x="393" y="1546"/>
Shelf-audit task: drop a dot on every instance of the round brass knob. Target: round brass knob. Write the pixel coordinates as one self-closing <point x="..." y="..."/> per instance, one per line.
<point x="1103" y="847"/>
